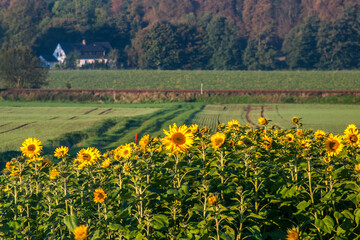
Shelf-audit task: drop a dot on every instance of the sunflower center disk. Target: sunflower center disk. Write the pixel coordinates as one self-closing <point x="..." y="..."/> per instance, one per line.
<point x="353" y="139"/>
<point x="219" y="141"/>
<point x="333" y="145"/>
<point x="31" y="147"/>
<point x="86" y="157"/>
<point x="178" y="138"/>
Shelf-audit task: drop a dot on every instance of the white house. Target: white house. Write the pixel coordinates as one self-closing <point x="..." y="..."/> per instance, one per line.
<point x="86" y="53"/>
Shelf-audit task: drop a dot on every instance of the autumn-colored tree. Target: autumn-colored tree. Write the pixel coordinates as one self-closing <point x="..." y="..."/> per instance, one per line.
<point x="22" y="20"/>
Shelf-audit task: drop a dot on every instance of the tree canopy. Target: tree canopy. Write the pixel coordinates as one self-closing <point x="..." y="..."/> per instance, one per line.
<point x="20" y="68"/>
<point x="194" y="34"/>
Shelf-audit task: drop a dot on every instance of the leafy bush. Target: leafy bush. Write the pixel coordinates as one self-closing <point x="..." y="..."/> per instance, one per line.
<point x="239" y="183"/>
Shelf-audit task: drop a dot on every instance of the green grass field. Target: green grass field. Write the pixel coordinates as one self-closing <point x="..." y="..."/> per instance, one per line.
<point x="242" y="80"/>
<point x="327" y="117"/>
<point x="51" y="120"/>
<point x="106" y="126"/>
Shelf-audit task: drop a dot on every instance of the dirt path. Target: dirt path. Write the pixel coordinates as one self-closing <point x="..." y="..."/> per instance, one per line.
<point x="247" y="116"/>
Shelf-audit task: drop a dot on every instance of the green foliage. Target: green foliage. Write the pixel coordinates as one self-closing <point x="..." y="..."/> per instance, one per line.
<point x="338" y="43"/>
<point x="71" y="60"/>
<point x="225" y="50"/>
<point x="161" y="47"/>
<point x="300" y="45"/>
<point x="19" y="68"/>
<point x="260" y="52"/>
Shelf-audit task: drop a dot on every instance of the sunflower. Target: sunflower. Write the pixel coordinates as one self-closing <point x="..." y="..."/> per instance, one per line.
<point x="54" y="174"/>
<point x="126" y="151"/>
<point x="295" y="120"/>
<point x="194" y="128"/>
<point x="9" y="166"/>
<point x="233" y="124"/>
<point x="87" y="157"/>
<point x="299" y="132"/>
<point x="267" y="142"/>
<point x="127" y="168"/>
<point x="212" y="200"/>
<point x="327" y="159"/>
<point x="31" y="147"/>
<point x="99" y="195"/>
<point x="289" y="137"/>
<point x="357" y="167"/>
<point x="117" y="153"/>
<point x="351" y="129"/>
<point x="353" y="139"/>
<point x="333" y="145"/>
<point x="205" y="130"/>
<point x="293" y="234"/>
<point x="217" y="140"/>
<point x="319" y="135"/>
<point x="178" y="139"/>
<point x="61" y="152"/>
<point x="144" y="141"/>
<point x="329" y="169"/>
<point x="262" y="121"/>
<point x="305" y="143"/>
<point x="106" y="163"/>
<point x="81" y="232"/>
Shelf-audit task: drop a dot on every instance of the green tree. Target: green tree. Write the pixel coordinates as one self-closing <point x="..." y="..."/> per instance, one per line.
<point x="300" y="45"/>
<point x="160" y="47"/>
<point x="194" y="53"/>
<point x="113" y="57"/>
<point x="71" y="60"/>
<point x="339" y="42"/>
<point x="223" y="44"/>
<point x="20" y="68"/>
<point x="261" y="52"/>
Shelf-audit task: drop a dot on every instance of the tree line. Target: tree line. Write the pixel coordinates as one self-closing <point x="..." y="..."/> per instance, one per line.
<point x="193" y="41"/>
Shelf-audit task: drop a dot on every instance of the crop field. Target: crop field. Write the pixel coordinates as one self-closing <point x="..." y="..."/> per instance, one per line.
<point x="109" y="125"/>
<point x="48" y="122"/>
<point x="327" y="117"/>
<point x="212" y="80"/>
<point x="106" y="125"/>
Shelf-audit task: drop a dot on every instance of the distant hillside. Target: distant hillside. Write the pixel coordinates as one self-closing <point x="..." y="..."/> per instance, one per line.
<point x="251" y="16"/>
<point x="194" y="34"/>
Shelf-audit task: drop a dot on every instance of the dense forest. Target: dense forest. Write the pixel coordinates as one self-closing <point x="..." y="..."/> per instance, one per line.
<point x="194" y="34"/>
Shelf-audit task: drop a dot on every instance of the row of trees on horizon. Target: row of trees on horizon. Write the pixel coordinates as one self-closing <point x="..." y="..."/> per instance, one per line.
<point x="211" y="40"/>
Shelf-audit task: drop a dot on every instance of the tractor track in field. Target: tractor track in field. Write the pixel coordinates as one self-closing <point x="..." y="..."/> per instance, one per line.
<point x="107" y="110"/>
<point x="18" y="127"/>
<point x="247" y="116"/>
<point x="94" y="109"/>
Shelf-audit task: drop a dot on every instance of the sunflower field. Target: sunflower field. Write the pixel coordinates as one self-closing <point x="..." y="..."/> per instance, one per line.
<point x="236" y="183"/>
